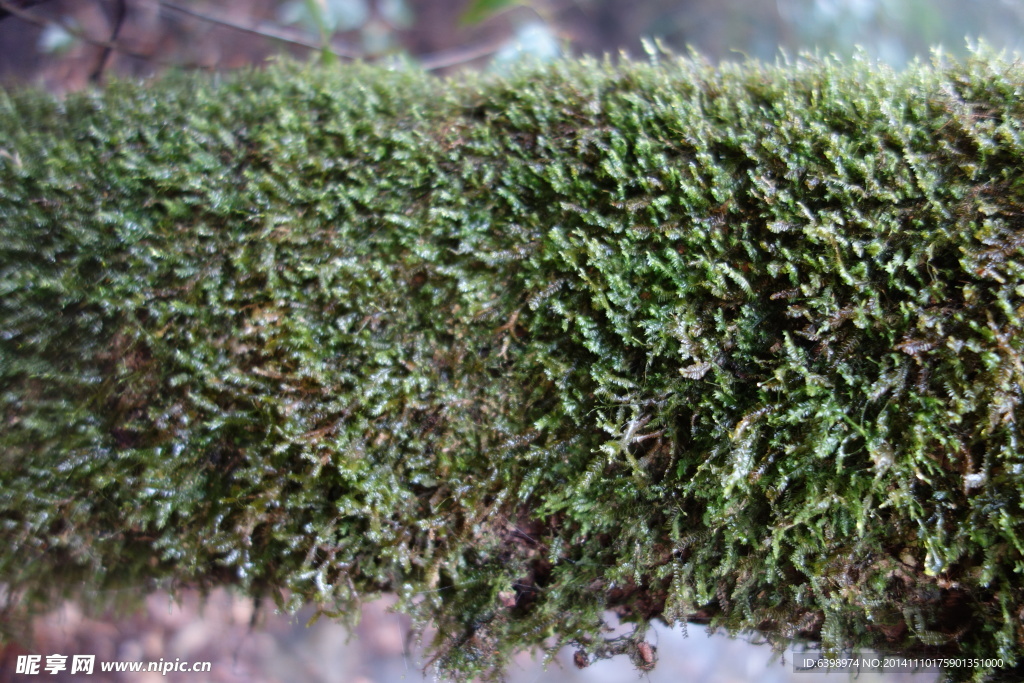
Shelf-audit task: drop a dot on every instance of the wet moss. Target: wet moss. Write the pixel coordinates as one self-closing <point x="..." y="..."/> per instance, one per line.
<point x="738" y="346"/>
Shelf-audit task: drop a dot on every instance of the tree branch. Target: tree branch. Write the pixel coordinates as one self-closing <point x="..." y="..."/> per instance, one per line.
<point x="429" y="62"/>
<point x="9" y="8"/>
<point x="120" y="11"/>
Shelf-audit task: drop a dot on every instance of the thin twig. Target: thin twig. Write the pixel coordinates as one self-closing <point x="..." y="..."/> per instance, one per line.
<point x="272" y="32"/>
<point x="29" y="3"/>
<point x="430" y="62"/>
<point x="458" y="55"/>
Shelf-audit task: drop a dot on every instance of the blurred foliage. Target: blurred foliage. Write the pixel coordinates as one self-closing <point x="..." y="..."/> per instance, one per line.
<point x="737" y="345"/>
<point x="896" y="31"/>
<point x="477" y="33"/>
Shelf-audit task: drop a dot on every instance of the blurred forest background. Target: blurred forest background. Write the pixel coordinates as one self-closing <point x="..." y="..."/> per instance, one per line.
<point x="68" y="45"/>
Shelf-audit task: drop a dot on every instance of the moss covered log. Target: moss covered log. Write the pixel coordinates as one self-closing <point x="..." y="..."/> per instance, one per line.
<point x="738" y="346"/>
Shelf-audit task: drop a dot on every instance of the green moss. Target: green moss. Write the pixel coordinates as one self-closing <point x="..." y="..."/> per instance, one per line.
<point x="739" y="346"/>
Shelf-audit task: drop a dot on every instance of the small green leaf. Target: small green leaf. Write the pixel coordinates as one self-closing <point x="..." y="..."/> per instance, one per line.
<point x="479" y="10"/>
